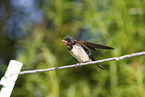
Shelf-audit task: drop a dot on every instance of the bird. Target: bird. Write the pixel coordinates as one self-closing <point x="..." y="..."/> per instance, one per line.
<point x="81" y="49"/>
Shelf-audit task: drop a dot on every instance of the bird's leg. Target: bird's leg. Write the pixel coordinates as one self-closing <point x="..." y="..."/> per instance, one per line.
<point x="78" y="64"/>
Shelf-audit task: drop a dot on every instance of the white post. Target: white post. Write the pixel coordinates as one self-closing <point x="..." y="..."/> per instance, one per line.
<point x="8" y="80"/>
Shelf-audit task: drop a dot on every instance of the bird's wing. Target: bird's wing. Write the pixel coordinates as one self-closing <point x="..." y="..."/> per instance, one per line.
<point x="93" y="46"/>
<point x="86" y="48"/>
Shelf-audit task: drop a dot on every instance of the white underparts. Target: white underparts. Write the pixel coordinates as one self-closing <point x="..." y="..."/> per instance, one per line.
<point x="79" y="53"/>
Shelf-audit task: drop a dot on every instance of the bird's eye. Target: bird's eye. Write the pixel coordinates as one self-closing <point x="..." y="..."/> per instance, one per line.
<point x="68" y="40"/>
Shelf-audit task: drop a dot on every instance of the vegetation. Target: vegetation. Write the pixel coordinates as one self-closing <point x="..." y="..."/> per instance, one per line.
<point x="36" y="42"/>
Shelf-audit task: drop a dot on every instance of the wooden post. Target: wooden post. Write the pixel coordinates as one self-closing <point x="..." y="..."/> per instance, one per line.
<point x="8" y="80"/>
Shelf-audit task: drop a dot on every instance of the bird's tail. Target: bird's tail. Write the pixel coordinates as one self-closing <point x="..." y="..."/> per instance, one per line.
<point x="97" y="63"/>
<point x="92" y="59"/>
<point x="100" y="66"/>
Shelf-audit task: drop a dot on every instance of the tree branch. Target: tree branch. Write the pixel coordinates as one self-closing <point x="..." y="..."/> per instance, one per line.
<point x="81" y="64"/>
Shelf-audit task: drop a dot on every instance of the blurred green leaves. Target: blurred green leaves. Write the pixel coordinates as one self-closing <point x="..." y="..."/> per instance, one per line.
<point x="119" y="24"/>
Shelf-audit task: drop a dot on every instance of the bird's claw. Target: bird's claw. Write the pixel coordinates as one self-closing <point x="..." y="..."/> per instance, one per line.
<point x="78" y="64"/>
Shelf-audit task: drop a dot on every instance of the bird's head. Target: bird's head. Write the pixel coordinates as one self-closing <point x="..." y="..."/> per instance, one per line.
<point x="68" y="40"/>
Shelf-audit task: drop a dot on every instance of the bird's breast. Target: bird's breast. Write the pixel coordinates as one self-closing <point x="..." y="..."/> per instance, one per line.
<point x="79" y="53"/>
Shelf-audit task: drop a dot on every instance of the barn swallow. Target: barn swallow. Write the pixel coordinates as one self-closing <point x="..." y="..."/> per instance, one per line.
<point x="81" y="49"/>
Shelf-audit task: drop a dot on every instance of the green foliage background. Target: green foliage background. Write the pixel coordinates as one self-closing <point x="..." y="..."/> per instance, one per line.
<point x="119" y="24"/>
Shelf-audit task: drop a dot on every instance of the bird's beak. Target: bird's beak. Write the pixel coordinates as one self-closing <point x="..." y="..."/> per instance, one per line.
<point x="65" y="42"/>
